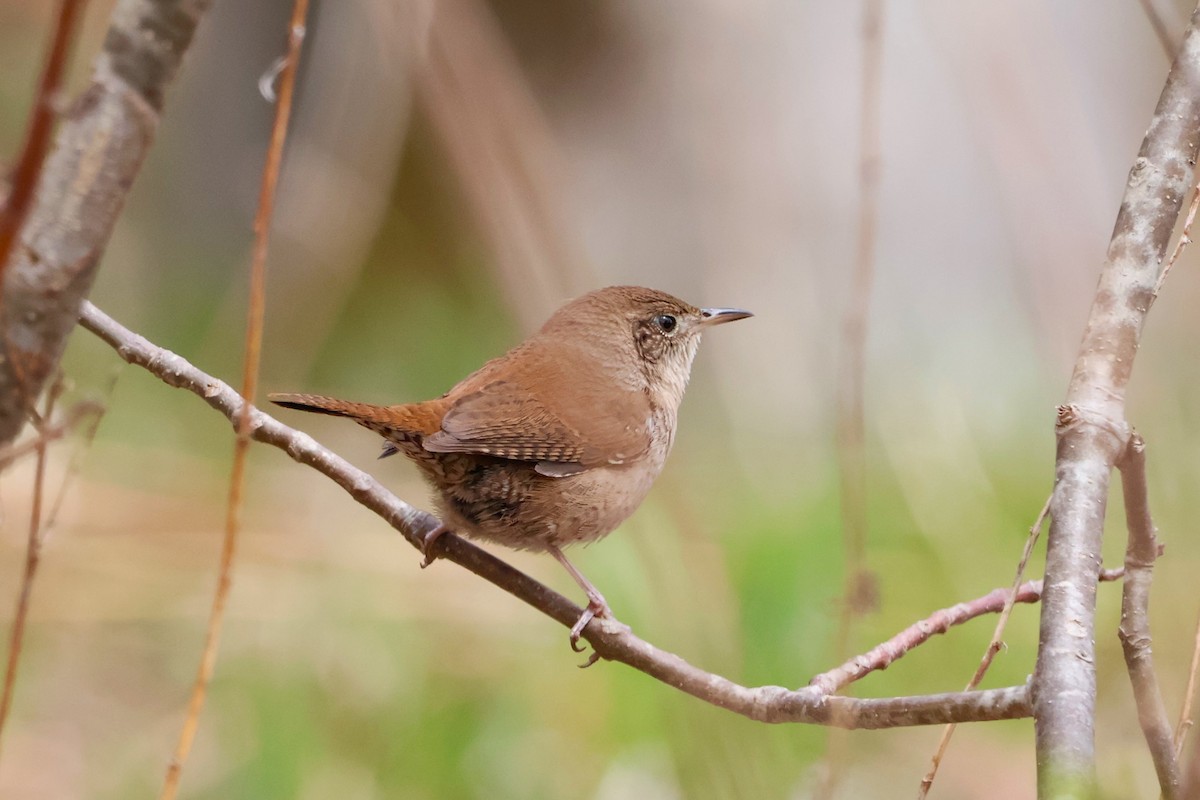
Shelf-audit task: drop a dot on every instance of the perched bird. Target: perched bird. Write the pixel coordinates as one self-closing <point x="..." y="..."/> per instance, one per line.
<point x="557" y="441"/>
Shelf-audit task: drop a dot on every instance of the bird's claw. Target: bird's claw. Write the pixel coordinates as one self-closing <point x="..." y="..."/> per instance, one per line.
<point x="588" y="614"/>
<point x="592" y="611"/>
<point x="428" y="542"/>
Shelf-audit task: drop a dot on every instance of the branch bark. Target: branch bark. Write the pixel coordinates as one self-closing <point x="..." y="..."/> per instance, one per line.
<point x="1092" y="432"/>
<point x="610" y="639"/>
<point x="81" y="191"/>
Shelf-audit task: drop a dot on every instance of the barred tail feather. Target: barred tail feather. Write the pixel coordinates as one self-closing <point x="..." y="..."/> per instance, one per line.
<point x="328" y="405"/>
<point x="390" y="421"/>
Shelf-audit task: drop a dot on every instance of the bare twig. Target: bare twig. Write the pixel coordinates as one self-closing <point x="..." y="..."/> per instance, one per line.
<point x="81" y="189"/>
<point x="993" y="647"/>
<point x="1134" y="631"/>
<point x="859" y="593"/>
<point x="884" y="655"/>
<point x="1092" y="432"/>
<point x="612" y="640"/>
<point x="253" y="356"/>
<point x="41" y="124"/>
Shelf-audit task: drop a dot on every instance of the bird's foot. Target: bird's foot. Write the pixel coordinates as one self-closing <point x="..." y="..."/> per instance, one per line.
<point x="596" y="607"/>
<point x="428" y="542"/>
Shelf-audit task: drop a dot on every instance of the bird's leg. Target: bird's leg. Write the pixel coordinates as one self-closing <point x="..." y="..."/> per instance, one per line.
<point x="427" y="544"/>
<point x="597" y="606"/>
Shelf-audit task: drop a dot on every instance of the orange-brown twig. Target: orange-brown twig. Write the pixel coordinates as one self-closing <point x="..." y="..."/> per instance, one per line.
<point x="33" y="555"/>
<point x="41" y="124"/>
<point x="253" y="350"/>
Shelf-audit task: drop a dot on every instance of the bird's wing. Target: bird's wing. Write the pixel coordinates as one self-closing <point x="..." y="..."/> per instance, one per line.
<point x="505" y="420"/>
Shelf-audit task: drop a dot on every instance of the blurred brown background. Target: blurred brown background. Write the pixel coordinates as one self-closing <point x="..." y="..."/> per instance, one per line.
<point x="455" y="171"/>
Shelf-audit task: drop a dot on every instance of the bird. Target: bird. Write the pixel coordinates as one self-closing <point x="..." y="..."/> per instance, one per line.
<point x="557" y="441"/>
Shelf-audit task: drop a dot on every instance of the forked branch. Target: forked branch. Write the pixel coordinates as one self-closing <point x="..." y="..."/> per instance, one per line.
<point x="1092" y="431"/>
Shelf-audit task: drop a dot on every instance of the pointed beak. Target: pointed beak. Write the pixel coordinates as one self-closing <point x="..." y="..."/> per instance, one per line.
<point x="718" y="316"/>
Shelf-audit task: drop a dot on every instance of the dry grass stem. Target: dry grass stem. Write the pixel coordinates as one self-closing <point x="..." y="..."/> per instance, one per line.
<point x="993" y="647"/>
<point x="253" y="351"/>
<point x="1189" y="695"/>
<point x="33" y="557"/>
<point x="859" y="593"/>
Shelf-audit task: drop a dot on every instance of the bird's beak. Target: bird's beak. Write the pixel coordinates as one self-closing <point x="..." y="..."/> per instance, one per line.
<point x="718" y="316"/>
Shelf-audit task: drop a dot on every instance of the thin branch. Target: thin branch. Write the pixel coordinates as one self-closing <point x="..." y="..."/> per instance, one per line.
<point x="253" y="357"/>
<point x="33" y="557"/>
<point x="858" y="594"/>
<point x="80" y="191"/>
<point x="1092" y="431"/>
<point x="610" y="639"/>
<point x="41" y="125"/>
<point x="1134" y="631"/>
<point x="993" y="647"/>
<point x="884" y="655"/>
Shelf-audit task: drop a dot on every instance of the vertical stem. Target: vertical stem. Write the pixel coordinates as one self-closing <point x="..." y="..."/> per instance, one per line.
<point x="858" y="592"/>
<point x="253" y="350"/>
<point x="851" y="436"/>
<point x="1092" y="431"/>
<point x="33" y="557"/>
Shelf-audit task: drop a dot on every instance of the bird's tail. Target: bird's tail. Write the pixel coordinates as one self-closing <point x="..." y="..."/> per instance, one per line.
<point x="329" y="405"/>
<point x="415" y="418"/>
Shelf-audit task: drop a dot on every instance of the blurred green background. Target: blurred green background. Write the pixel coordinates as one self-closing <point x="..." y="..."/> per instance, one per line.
<point x="455" y="171"/>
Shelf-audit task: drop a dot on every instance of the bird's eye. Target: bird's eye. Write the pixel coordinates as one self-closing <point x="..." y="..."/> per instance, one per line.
<point x="666" y="323"/>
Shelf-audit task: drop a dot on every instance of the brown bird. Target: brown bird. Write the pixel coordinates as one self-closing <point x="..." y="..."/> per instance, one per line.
<point x="557" y="441"/>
